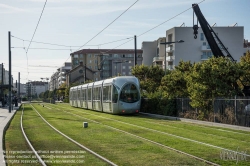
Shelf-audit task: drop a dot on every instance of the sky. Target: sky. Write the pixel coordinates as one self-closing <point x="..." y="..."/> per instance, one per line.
<point x="83" y="24"/>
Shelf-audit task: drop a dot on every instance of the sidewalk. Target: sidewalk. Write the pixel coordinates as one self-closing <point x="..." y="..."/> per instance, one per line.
<point x="5" y="119"/>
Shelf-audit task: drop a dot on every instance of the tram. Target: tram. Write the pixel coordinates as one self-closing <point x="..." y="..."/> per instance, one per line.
<point x="118" y="95"/>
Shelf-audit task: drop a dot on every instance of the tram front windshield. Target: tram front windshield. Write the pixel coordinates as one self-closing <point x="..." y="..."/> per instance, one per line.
<point x="129" y="94"/>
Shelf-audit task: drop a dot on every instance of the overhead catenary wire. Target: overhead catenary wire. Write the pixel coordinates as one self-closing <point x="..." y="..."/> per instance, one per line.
<point x="36" y="26"/>
<point x="39" y="42"/>
<point x="66" y="45"/>
<point x="109" y="24"/>
<point x="155" y="27"/>
<point x="102" y="43"/>
<point x="124" y="38"/>
<point x="168" y="20"/>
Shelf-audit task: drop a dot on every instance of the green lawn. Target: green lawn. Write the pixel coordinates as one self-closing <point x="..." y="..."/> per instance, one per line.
<point x="125" y="147"/>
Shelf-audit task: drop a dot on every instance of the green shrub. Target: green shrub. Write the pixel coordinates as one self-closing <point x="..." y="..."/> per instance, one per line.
<point x="66" y="100"/>
<point x="153" y="103"/>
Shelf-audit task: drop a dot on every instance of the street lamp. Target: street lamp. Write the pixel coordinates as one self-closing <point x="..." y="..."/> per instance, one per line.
<point x="165" y="43"/>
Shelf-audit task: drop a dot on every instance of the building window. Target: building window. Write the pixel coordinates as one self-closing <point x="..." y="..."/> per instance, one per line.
<point x="209" y="54"/>
<point x="123" y="73"/>
<point x="123" y="67"/>
<point x="76" y="62"/>
<point x="81" y="56"/>
<point x="90" y="61"/>
<point x="202" y="36"/>
<point x="89" y="55"/>
<point x="130" y="67"/>
<point x="204" y="43"/>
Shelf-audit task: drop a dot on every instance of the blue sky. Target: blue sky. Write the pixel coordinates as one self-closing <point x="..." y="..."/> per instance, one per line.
<point x="75" y="22"/>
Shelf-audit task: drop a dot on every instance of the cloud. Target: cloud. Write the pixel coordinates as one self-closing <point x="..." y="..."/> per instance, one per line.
<point x="10" y="9"/>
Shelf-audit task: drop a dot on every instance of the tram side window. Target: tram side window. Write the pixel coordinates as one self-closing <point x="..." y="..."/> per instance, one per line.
<point x="107" y="93"/>
<point x="114" y="95"/>
<point x="89" y="94"/>
<point x="83" y="94"/>
<point x="73" y="95"/>
<point x="78" y="94"/>
<point x="96" y="93"/>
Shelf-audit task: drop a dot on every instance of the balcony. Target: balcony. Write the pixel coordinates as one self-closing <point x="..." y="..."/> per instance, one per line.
<point x="170" y="67"/>
<point x="205" y="57"/>
<point x="158" y="59"/>
<point x="170" y="58"/>
<point x="205" y="48"/>
<point x="170" y="49"/>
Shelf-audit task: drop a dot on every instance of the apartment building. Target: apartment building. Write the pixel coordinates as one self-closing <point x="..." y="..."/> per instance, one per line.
<point x="197" y="50"/>
<point x="153" y="52"/>
<point x="106" y="63"/>
<point x="59" y="77"/>
<point x="34" y="88"/>
<point x="194" y="50"/>
<point x="80" y="74"/>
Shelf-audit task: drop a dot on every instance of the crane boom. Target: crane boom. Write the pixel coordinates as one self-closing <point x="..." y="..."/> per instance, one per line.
<point x="217" y="47"/>
<point x="211" y="36"/>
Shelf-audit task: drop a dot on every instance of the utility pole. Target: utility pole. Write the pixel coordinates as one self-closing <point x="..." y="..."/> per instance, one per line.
<point x="19" y="87"/>
<point x="135" y="58"/>
<point x="10" y="104"/>
<point x="2" y="85"/>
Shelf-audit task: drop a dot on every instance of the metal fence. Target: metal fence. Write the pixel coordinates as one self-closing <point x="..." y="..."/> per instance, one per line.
<point x="234" y="111"/>
<point x="52" y="101"/>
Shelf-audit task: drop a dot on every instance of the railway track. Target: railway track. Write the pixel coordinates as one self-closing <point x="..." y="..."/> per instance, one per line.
<point x="72" y="140"/>
<point x="136" y="136"/>
<point x="27" y="140"/>
<point x="173" y="135"/>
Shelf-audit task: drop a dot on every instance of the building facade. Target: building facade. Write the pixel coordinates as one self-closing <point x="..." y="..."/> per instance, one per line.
<point x="154" y="52"/>
<point x="34" y="88"/>
<point x="80" y="74"/>
<point x="197" y="50"/>
<point x="106" y="63"/>
<point x="59" y="77"/>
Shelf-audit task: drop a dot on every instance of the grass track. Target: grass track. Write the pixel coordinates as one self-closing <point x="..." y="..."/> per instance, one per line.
<point x="212" y="154"/>
<point x="120" y="148"/>
<point x="45" y="140"/>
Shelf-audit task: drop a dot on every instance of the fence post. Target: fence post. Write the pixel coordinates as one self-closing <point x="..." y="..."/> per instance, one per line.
<point x="213" y="108"/>
<point x="235" y="109"/>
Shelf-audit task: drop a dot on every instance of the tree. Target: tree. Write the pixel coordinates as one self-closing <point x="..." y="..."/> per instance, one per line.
<point x="244" y="65"/>
<point x="174" y="84"/>
<point x="150" y="77"/>
<point x="216" y="77"/>
<point x="61" y="90"/>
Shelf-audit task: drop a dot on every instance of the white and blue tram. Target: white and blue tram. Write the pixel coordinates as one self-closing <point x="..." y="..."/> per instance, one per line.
<point x="119" y="95"/>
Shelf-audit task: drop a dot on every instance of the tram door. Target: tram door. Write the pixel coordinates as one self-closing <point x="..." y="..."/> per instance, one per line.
<point x="106" y="98"/>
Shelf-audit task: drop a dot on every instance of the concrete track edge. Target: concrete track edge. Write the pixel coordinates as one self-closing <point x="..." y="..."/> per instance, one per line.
<point x="234" y="127"/>
<point x="4" y="126"/>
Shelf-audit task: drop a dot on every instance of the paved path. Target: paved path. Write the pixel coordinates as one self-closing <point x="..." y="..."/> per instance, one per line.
<point x="5" y="118"/>
<point x="234" y="127"/>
